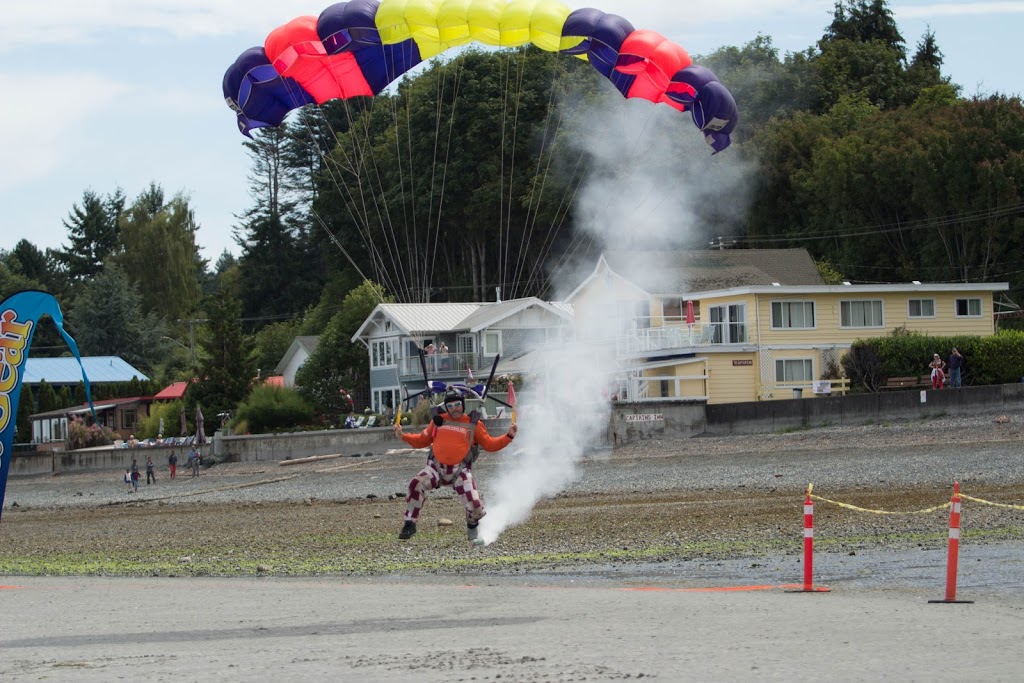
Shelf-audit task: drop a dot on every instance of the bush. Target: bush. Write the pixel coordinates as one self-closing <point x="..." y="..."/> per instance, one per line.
<point x="171" y="413"/>
<point x="269" y="409"/>
<point x="997" y="359"/>
<point x="82" y="436"/>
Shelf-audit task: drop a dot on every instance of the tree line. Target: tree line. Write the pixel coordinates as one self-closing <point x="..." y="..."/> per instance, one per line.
<point x="466" y="177"/>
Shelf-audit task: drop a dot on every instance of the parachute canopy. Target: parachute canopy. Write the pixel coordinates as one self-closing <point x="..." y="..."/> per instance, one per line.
<point x="357" y="48"/>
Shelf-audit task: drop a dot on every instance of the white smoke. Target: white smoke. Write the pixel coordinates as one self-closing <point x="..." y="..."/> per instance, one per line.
<point x="651" y="184"/>
<point x="563" y="416"/>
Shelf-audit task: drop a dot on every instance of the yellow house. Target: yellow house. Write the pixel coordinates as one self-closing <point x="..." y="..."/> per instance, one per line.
<point x="743" y="325"/>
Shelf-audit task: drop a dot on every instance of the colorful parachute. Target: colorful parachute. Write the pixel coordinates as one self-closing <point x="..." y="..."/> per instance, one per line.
<point x="359" y="47"/>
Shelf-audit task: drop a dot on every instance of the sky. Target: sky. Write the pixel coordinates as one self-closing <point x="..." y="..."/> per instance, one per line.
<point x="120" y="93"/>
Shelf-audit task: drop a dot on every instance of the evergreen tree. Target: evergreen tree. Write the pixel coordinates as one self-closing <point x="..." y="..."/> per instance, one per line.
<point x="275" y="279"/>
<point x="26" y="408"/>
<point x="864" y="21"/>
<point x="225" y="370"/>
<point x="64" y="399"/>
<point x="92" y="234"/>
<point x="106" y="319"/>
<point x="47" y="397"/>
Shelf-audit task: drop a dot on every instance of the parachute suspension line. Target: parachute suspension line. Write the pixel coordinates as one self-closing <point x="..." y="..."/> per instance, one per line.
<point x="540" y="177"/>
<point x="408" y="200"/>
<point x="379" y="196"/>
<point x="564" y="208"/>
<point x="456" y="86"/>
<point x="440" y="85"/>
<point x="506" y="271"/>
<point x="326" y="164"/>
<point x="362" y="221"/>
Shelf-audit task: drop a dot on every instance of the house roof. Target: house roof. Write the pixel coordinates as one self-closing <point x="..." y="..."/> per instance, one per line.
<point x="98" y="369"/>
<point x="97" y="406"/>
<point x="421" y="319"/>
<point x="171" y="393"/>
<point x="305" y="343"/>
<point x="309" y="343"/>
<point x="491" y="313"/>
<point x="683" y="272"/>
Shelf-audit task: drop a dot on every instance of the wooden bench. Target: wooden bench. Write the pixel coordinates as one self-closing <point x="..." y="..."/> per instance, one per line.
<point x="908" y="382"/>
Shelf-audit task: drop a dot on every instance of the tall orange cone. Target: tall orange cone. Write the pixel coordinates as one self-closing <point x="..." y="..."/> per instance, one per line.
<point x="953" y="552"/>
<point x="809" y="586"/>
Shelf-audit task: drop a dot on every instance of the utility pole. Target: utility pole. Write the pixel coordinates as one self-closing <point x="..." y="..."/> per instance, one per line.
<point x="192" y="335"/>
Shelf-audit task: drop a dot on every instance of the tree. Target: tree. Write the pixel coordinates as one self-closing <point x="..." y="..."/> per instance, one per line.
<point x="270" y="345"/>
<point x="106" y="319"/>
<point x="46" y="397"/>
<point x="338" y="364"/>
<point x="275" y="278"/>
<point x="864" y="21"/>
<point x="26" y="408"/>
<point x="92" y="234"/>
<point x="160" y="253"/>
<point x="225" y="370"/>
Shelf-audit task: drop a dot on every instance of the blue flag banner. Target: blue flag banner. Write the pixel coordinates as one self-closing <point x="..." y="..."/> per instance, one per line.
<point x="19" y="315"/>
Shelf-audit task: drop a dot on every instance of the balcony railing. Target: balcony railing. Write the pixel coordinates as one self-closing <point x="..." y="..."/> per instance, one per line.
<point x="650" y="339"/>
<point x="445" y="364"/>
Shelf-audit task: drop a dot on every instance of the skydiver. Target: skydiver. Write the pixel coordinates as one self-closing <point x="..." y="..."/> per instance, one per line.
<point x="452" y="436"/>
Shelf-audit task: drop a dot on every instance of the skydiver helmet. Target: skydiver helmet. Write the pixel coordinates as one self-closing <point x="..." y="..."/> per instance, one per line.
<point x="453" y="397"/>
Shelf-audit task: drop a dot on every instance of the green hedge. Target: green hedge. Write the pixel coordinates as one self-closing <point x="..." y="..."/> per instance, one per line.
<point x="269" y="408"/>
<point x="997" y="359"/>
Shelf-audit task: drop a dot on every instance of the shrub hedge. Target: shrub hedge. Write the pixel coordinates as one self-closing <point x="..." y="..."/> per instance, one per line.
<point x="995" y="359"/>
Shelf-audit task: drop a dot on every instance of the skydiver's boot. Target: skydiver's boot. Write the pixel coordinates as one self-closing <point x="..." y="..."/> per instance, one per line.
<point x="473" y="531"/>
<point x="408" y="529"/>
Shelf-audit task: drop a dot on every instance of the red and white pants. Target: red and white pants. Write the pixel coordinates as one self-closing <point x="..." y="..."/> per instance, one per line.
<point x="435" y="475"/>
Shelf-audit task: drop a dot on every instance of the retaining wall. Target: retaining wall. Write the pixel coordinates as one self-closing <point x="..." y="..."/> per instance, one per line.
<point x="771" y="416"/>
<point x="655" y="419"/>
<point x="629" y="422"/>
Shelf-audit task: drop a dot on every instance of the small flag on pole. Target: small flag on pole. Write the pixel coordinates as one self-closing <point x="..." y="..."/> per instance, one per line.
<point x="512" y="400"/>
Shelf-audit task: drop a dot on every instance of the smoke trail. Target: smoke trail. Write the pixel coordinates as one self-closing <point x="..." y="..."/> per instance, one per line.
<point x="564" y="414"/>
<point x="653" y="186"/>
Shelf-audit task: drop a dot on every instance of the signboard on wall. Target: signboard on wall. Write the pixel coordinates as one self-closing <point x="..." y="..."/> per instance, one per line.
<point x="738" y="363"/>
<point x="642" y="417"/>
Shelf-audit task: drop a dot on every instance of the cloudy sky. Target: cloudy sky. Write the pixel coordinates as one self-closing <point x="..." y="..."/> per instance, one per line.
<point x="118" y="93"/>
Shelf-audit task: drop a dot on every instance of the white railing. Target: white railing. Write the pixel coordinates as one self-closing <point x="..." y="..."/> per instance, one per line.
<point x="640" y="388"/>
<point x="440" y="364"/>
<point x="649" y="339"/>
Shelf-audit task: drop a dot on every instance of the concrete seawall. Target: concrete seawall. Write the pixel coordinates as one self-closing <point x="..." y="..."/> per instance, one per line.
<point x="629" y="423"/>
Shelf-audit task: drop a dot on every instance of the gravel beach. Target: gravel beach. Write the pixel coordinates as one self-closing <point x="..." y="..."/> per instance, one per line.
<point x="705" y="498"/>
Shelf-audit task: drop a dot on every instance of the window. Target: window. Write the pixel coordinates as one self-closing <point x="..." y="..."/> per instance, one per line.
<point x="921" y="308"/>
<point x="492" y="342"/>
<point x="794" y="370"/>
<point x="466" y="343"/>
<point x="386" y="398"/>
<point x="730" y="323"/>
<point x="968" y="308"/>
<point x="672" y="310"/>
<point x="128" y="419"/>
<point x="792" y="315"/>
<point x="860" y="314"/>
<point x="383" y="353"/>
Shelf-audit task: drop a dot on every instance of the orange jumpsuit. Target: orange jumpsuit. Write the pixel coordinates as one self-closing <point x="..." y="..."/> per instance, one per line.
<point x="450" y="444"/>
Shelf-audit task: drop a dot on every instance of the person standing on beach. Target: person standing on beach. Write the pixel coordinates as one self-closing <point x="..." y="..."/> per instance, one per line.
<point x="956" y="364"/>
